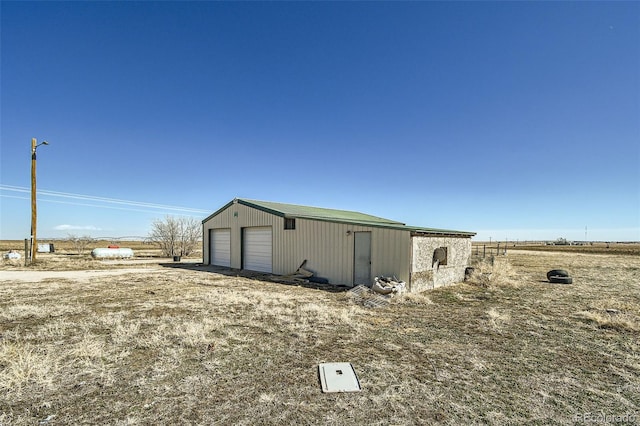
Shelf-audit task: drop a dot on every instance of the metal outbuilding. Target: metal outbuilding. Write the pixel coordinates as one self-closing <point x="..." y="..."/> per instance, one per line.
<point x="346" y="247"/>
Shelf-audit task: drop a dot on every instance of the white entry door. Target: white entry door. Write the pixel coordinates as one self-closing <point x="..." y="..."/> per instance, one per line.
<point x="362" y="259"/>
<point x="220" y="247"/>
<point x="257" y="249"/>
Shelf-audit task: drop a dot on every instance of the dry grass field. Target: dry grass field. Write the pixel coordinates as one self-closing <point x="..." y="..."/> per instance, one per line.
<point x="630" y="249"/>
<point x="181" y="343"/>
<point x="62" y="247"/>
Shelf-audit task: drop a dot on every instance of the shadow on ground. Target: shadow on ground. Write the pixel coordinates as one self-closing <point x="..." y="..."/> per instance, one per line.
<point x="231" y="272"/>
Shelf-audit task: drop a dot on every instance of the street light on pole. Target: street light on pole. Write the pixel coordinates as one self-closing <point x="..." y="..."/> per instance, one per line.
<point x="34" y="208"/>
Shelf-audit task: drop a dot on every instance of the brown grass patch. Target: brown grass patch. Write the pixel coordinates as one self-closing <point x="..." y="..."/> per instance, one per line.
<point x="493" y="271"/>
<point x="194" y="346"/>
<point x="66" y="258"/>
<point x="618" y="249"/>
<point x="613" y="319"/>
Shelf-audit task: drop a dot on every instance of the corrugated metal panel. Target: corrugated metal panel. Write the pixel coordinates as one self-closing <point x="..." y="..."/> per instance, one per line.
<point x="329" y="250"/>
<point x="256" y="246"/>
<point x="319" y="213"/>
<point x="336" y="216"/>
<point x="391" y="253"/>
<point x="221" y="247"/>
<point x="327" y="246"/>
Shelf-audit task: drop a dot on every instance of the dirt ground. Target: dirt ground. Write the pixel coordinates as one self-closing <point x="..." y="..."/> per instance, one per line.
<point x="15" y="272"/>
<point x="80" y="276"/>
<point x="166" y="343"/>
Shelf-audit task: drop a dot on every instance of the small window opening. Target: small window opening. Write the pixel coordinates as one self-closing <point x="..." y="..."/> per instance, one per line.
<point x="439" y="257"/>
<point x="289" y="223"/>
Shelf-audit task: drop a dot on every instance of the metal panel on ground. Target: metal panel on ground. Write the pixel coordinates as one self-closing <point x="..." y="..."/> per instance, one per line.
<point x="220" y="249"/>
<point x="257" y="249"/>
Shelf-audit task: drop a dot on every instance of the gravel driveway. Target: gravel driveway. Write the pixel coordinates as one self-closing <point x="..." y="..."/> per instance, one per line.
<point x="35" y="276"/>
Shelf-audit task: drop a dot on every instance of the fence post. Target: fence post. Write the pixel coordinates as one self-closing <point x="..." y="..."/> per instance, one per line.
<point x="26" y="248"/>
<point x="498" y="250"/>
<point x="484" y="251"/>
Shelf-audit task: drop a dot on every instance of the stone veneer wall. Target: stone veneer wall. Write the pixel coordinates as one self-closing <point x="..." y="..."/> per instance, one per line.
<point x="424" y="275"/>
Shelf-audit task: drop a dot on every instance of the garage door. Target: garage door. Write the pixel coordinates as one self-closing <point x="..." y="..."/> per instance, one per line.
<point x="256" y="249"/>
<point x="220" y="247"/>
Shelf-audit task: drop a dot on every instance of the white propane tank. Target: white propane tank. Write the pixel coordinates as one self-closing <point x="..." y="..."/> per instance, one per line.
<point x="12" y="255"/>
<point x="111" y="253"/>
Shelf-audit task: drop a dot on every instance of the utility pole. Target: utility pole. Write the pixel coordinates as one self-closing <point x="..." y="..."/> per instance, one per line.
<point x="34" y="207"/>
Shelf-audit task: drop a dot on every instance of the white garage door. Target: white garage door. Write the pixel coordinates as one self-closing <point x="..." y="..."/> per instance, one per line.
<point x="256" y="249"/>
<point x="220" y="247"/>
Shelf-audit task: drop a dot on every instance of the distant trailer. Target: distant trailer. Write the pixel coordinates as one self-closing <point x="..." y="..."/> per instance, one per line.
<point x="46" y="248"/>
<point x="112" y="253"/>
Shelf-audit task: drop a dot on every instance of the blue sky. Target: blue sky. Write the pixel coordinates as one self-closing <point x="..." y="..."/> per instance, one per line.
<point x="516" y="120"/>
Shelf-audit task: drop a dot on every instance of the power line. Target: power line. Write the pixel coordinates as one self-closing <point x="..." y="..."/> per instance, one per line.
<point x="99" y="199"/>
<point x="96" y="205"/>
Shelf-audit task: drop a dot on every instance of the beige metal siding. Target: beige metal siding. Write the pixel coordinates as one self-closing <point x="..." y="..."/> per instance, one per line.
<point x="327" y="246"/>
<point x="329" y="250"/>
<point x="236" y="217"/>
<point x="391" y="253"/>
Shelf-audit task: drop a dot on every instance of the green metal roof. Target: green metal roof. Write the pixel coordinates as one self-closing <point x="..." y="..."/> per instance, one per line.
<point x="307" y="212"/>
<point x="333" y="215"/>
<point x="421" y="230"/>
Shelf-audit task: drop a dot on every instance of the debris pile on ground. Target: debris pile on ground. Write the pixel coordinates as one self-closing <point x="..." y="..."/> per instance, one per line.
<point x="388" y="285"/>
<point x="12" y="255"/>
<point x="303" y="275"/>
<point x="367" y="297"/>
<point x="559" y="276"/>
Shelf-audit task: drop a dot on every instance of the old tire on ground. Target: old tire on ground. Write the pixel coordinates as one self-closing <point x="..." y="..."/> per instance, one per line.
<point x="557" y="273"/>
<point x="468" y="272"/>
<point x="560" y="280"/>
